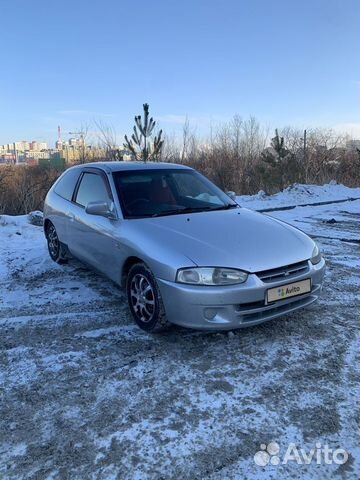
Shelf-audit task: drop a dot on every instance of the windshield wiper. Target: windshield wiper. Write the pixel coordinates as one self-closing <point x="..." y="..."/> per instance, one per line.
<point x="225" y="207"/>
<point x="176" y="211"/>
<point x="193" y="210"/>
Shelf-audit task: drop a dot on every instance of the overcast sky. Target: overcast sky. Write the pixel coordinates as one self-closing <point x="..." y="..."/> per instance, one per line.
<point x="70" y="62"/>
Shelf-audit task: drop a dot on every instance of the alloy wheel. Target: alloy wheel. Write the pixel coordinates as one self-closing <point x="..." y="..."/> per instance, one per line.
<point x="142" y="298"/>
<point x="53" y="242"/>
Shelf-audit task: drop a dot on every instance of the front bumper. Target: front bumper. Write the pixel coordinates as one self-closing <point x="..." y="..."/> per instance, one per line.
<point x="236" y="306"/>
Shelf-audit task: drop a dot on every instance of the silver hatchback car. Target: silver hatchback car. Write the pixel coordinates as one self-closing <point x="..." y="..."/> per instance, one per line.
<point x="184" y="250"/>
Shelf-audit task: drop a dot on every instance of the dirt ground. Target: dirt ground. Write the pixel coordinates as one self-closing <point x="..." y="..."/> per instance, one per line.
<point x="84" y="394"/>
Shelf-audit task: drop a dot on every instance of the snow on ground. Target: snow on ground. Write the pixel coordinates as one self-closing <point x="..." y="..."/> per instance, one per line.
<point x="298" y="194"/>
<point x="84" y="394"/>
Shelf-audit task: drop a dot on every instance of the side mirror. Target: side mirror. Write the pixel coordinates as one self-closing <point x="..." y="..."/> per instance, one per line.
<point x="232" y="195"/>
<point x="100" y="208"/>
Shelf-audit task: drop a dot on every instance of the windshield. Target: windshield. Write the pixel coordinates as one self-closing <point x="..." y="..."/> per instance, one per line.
<point x="151" y="193"/>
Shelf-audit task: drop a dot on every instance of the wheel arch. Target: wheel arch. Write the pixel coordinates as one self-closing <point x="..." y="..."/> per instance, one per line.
<point x="46" y="224"/>
<point x="129" y="262"/>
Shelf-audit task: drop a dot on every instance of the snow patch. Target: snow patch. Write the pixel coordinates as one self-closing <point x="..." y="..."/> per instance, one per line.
<point x="299" y="194"/>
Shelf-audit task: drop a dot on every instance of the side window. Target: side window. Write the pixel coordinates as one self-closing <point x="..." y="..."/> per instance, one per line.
<point x="92" y="189"/>
<point x="66" y="185"/>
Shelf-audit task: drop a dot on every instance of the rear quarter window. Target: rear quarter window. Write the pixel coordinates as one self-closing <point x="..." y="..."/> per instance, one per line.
<point x="66" y="185"/>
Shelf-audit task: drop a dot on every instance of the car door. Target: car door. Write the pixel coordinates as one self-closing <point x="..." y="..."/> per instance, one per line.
<point x="58" y="210"/>
<point x="92" y="238"/>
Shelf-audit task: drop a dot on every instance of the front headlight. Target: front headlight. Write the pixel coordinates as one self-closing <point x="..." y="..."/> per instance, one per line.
<point x="211" y="276"/>
<point x="316" y="255"/>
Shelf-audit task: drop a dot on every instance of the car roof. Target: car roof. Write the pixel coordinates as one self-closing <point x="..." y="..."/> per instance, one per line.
<point x="128" y="166"/>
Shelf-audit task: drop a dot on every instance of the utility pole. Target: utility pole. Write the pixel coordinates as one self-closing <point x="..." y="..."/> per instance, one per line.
<point x="305" y="159"/>
<point x="59" y="138"/>
<point x="16" y="154"/>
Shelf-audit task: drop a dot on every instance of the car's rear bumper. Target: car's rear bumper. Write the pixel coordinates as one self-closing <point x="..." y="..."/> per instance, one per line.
<point x="230" y="307"/>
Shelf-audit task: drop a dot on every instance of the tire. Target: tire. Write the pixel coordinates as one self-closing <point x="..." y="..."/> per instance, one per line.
<point x="144" y="299"/>
<point x="55" y="247"/>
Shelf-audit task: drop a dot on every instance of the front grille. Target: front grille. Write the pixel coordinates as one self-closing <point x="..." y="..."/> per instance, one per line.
<point x="278" y="308"/>
<point x="256" y="312"/>
<point x="250" y="306"/>
<point x="283" y="273"/>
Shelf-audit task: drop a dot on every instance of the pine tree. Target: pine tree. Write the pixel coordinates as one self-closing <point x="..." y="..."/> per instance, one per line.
<point x="278" y="160"/>
<point x="139" y="144"/>
<point x="277" y="144"/>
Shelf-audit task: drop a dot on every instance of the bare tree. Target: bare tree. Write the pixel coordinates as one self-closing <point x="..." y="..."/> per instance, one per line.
<point x="25" y="187"/>
<point x="5" y="173"/>
<point x="185" y="139"/>
<point x="82" y="148"/>
<point x="108" y="141"/>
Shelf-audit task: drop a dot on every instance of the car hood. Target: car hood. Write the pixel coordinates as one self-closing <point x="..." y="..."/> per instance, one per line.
<point x="238" y="238"/>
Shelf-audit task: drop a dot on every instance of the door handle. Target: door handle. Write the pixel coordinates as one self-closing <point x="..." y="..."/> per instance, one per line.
<point x="71" y="216"/>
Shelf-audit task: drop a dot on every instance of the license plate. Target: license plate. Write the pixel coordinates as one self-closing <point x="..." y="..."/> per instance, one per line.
<point x="289" y="290"/>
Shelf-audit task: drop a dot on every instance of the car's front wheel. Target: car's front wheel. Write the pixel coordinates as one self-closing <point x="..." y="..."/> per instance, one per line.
<point x="144" y="299"/>
<point x="55" y="247"/>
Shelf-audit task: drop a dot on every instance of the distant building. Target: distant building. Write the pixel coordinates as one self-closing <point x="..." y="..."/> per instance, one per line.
<point x="22" y="152"/>
<point x="73" y="151"/>
<point x="38" y="146"/>
<point x="85" y="153"/>
<point x="7" y="158"/>
<point x="127" y="156"/>
<point x="21" y="146"/>
<point x="75" y="142"/>
<point x="353" y="144"/>
<point x="37" y="154"/>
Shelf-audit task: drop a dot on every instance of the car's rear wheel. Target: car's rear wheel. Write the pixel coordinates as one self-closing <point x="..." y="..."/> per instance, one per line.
<point x="144" y="299"/>
<point x="55" y="247"/>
